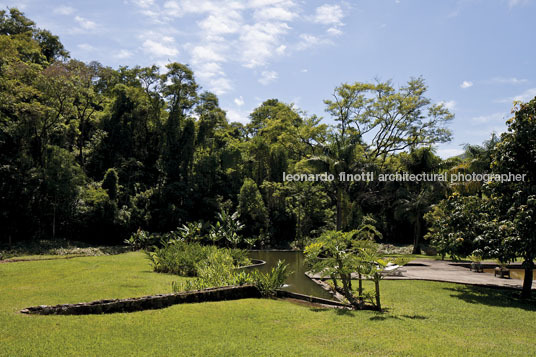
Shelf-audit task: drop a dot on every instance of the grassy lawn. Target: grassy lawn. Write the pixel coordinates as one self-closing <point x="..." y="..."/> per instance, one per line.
<point x="424" y="318"/>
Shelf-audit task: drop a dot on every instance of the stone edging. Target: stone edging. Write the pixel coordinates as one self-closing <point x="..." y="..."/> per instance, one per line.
<point x="254" y="263"/>
<point x="147" y="302"/>
<point x="330" y="303"/>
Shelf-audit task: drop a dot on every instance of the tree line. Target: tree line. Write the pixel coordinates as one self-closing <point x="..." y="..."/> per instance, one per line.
<point x="92" y="153"/>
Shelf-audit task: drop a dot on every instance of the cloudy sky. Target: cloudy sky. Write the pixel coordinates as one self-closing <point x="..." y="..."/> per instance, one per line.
<point x="477" y="56"/>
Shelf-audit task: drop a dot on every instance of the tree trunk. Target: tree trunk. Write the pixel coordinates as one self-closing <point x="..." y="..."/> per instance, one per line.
<point x="377" y="286"/>
<point x="527" y="281"/>
<point x="334" y="278"/>
<point x="360" y="289"/>
<point x="416" y="237"/>
<point x="54" y="223"/>
<point x="339" y="209"/>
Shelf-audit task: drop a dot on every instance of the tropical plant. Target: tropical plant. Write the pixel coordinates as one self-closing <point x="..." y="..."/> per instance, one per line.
<point x="268" y="283"/>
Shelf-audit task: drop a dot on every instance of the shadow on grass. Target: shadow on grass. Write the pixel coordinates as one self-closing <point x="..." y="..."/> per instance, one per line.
<point x="384" y="317"/>
<point x="342" y="312"/>
<point x="415" y="317"/>
<point x="492" y="297"/>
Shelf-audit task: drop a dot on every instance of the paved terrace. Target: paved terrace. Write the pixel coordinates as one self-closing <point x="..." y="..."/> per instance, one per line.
<point x="437" y="270"/>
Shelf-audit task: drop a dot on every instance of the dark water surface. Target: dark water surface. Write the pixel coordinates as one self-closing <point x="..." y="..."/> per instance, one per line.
<point x="514" y="273"/>
<point x="297" y="281"/>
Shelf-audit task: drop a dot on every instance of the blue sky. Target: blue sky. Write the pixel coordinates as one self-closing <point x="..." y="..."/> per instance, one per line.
<point x="477" y="56"/>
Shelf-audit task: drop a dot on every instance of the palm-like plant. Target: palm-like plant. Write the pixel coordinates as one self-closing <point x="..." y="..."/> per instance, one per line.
<point x="227" y="228"/>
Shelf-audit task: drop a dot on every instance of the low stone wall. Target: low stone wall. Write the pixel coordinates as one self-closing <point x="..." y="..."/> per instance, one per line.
<point x="147" y="302"/>
<point x="254" y="263"/>
<point x="332" y="303"/>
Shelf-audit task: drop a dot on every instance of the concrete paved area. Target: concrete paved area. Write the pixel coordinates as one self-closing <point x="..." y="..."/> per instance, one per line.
<point x="437" y="270"/>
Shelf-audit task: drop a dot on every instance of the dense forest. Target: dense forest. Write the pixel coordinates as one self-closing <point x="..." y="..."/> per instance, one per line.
<point x="92" y="153"/>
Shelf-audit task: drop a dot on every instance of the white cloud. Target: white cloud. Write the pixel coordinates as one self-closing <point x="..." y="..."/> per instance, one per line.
<point x="513" y="3"/>
<point x="207" y="53"/>
<point x="172" y="8"/>
<point x="220" y="85"/>
<point x="163" y="48"/>
<point x="220" y="23"/>
<point x="64" y="10"/>
<point x="267" y="77"/>
<point x="328" y="15"/>
<point x="466" y="84"/>
<point x="450" y="105"/>
<point x="251" y="33"/>
<point x="489" y="118"/>
<point x="511" y="80"/>
<point x="526" y="96"/>
<point x="259" y="41"/>
<point x="446" y="153"/>
<point x="278" y="13"/>
<point x="237" y="116"/>
<point x="123" y="54"/>
<point x="85" y="47"/>
<point x="144" y="3"/>
<point x="239" y="101"/>
<point x="334" y="31"/>
<point x="308" y="41"/>
<point x="85" y="23"/>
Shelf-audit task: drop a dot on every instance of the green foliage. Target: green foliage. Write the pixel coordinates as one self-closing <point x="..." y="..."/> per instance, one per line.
<point x="226" y="229"/>
<point x="339" y="254"/>
<point x="164" y="153"/>
<point x="218" y="270"/>
<point x="455" y="225"/>
<point x="191" y="232"/>
<point x="268" y="283"/>
<point x="186" y="259"/>
<point x="251" y="209"/>
<point x="110" y="183"/>
<point x="423" y="312"/>
<point x="142" y="240"/>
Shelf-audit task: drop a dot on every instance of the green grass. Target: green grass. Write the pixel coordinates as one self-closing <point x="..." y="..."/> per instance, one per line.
<point x="424" y="318"/>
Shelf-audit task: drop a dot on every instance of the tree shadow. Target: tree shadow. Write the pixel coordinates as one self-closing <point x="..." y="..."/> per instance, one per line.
<point x="383" y="317"/>
<point x="415" y="317"/>
<point x="492" y="297"/>
<point x="341" y="312"/>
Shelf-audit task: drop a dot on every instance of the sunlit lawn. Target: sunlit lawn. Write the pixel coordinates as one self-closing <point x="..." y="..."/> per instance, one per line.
<point x="423" y="318"/>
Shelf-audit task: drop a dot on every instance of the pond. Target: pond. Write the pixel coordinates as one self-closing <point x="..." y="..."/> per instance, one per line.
<point x="297" y="281"/>
<point x="514" y="273"/>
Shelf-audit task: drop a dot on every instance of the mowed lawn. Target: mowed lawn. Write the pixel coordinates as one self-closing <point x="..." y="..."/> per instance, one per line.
<point x="423" y="318"/>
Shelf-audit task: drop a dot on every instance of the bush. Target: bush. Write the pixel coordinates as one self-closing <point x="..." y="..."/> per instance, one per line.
<point x="142" y="240"/>
<point x="185" y="259"/>
<point x="268" y="283"/>
<point x="218" y="270"/>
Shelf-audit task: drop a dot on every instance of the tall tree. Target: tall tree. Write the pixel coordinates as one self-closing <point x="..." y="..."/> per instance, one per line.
<point x="515" y="202"/>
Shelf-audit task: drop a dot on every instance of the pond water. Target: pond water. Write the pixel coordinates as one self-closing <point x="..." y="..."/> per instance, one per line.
<point x="297" y="281"/>
<point x="514" y="273"/>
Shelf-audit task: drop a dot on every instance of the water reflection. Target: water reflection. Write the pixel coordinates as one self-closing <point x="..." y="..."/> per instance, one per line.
<point x="297" y="281"/>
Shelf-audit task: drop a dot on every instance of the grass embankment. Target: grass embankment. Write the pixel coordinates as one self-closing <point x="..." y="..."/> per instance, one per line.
<point x="424" y="318"/>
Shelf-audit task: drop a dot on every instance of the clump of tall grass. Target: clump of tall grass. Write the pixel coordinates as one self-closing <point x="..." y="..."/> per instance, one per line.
<point x="186" y="259"/>
<point x="218" y="271"/>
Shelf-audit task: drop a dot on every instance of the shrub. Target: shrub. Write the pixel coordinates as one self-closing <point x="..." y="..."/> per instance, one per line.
<point x="142" y="240"/>
<point x="268" y="283"/>
<point x="217" y="271"/>
<point x="185" y="259"/>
